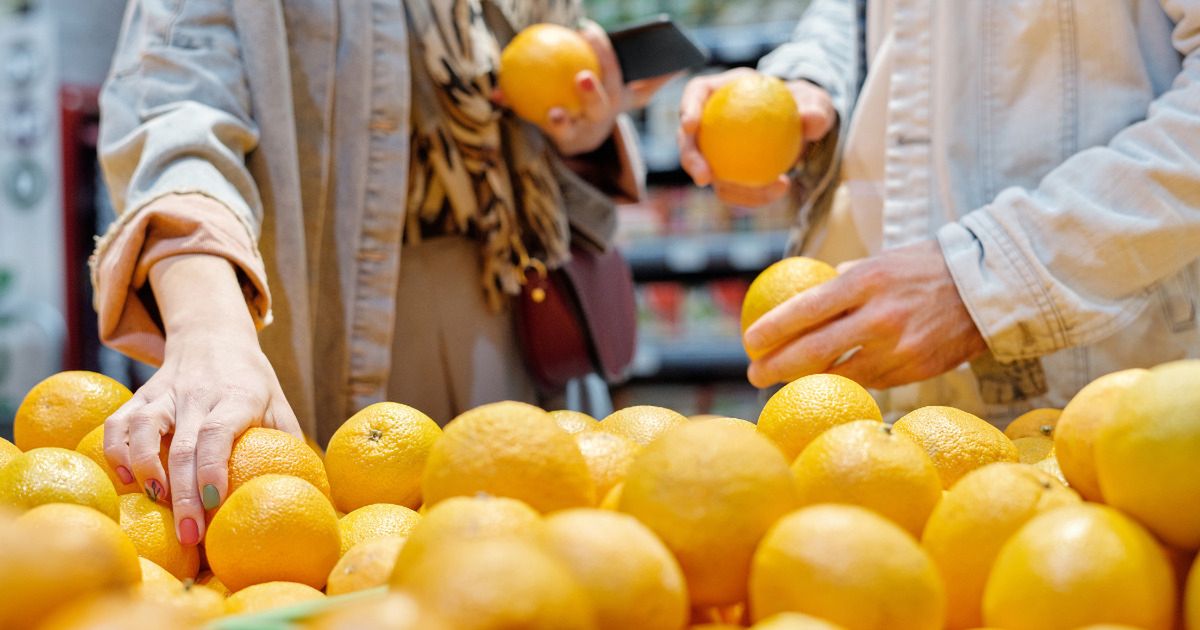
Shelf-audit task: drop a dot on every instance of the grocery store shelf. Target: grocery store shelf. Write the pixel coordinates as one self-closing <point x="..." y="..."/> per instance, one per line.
<point x="704" y="257"/>
<point x="690" y="360"/>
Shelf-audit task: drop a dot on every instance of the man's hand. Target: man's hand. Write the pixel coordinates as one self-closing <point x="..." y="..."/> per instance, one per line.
<point x="900" y="310"/>
<point x="816" y="110"/>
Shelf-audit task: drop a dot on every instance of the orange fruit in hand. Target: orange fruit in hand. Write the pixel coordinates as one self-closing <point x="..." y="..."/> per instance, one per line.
<point x="379" y="455"/>
<point x="497" y="583"/>
<point x="1079" y="565"/>
<point x="376" y="521"/>
<point x="269" y="596"/>
<point x="642" y="423"/>
<point x="60" y="410"/>
<point x="57" y="553"/>
<point x="273" y="528"/>
<point x="538" y="69"/>
<point x="957" y="442"/>
<point x="151" y="527"/>
<point x="806" y="407"/>
<point x="847" y="565"/>
<point x="1146" y="453"/>
<point x="779" y="283"/>
<point x="631" y="578"/>
<point x="92" y="445"/>
<point x="508" y="449"/>
<point x="751" y="131"/>
<point x="56" y="475"/>
<point x="1080" y="422"/>
<point x="864" y="463"/>
<point x="1036" y="423"/>
<point x="974" y="519"/>
<point x="261" y="451"/>
<point x="710" y="491"/>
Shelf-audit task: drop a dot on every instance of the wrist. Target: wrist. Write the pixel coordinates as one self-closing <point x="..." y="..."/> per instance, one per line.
<point x="200" y="297"/>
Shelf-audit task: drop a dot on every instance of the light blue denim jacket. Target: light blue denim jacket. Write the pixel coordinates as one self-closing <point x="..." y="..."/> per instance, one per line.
<point x="1052" y="147"/>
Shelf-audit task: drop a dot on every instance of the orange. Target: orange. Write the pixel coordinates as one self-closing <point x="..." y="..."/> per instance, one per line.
<point x="193" y="603"/>
<point x="1033" y="449"/>
<point x="1079" y="565"/>
<point x="151" y="527"/>
<point x="60" y="410"/>
<point x="612" y="500"/>
<point x="1146" y="453"/>
<point x="1191" y="598"/>
<point x="56" y="475"/>
<point x="375" y="521"/>
<point x="1050" y="467"/>
<point x="643" y="423"/>
<point x="379" y="455"/>
<point x="538" y="69"/>
<point x="210" y="581"/>
<point x="975" y="518"/>
<point x="737" y="423"/>
<point x="574" y="421"/>
<point x="608" y="457"/>
<point x="780" y="282"/>
<point x="751" y="131"/>
<point x="92" y="445"/>
<point x="794" y="621"/>
<point x="957" y="442"/>
<point x="394" y="611"/>
<point x="633" y="581"/>
<point x="1080" y="422"/>
<point x="273" y="528"/>
<point x="1036" y="423"/>
<point x="8" y="451"/>
<point x="509" y="449"/>
<point x="864" y="463"/>
<point x="806" y="407"/>
<point x="261" y="451"/>
<point x="710" y="491"/>
<point x="461" y="519"/>
<point x="117" y="611"/>
<point x="847" y="565"/>
<point x="269" y="596"/>
<point x="56" y="553"/>
<point x="497" y="583"/>
<point x="366" y="565"/>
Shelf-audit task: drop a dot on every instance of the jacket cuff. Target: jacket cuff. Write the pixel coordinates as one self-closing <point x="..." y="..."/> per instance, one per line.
<point x="171" y="225"/>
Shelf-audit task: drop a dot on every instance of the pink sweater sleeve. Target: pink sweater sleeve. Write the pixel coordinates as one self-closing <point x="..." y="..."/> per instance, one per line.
<point x="169" y="226"/>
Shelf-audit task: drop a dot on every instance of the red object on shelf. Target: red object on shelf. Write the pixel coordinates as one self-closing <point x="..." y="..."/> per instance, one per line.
<point x="80" y="112"/>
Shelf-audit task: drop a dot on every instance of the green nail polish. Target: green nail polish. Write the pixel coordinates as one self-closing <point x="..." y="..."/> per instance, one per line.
<point x="210" y="497"/>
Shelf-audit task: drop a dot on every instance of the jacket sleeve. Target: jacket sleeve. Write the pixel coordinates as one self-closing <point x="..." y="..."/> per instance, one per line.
<point x="1075" y="259"/>
<point x="826" y="50"/>
<point x="175" y="130"/>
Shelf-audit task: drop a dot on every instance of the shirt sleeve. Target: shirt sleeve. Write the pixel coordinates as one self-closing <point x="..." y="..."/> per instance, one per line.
<point x="1077" y="258"/>
<point x="175" y="129"/>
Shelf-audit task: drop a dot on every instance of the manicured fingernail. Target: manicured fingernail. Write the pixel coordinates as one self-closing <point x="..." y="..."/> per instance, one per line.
<point x="189" y="534"/>
<point x="588" y="83"/>
<point x="124" y="475"/>
<point x="210" y="497"/>
<point x="155" y="490"/>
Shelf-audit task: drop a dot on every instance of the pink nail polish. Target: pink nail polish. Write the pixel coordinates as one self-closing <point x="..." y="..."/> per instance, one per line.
<point x="124" y="475"/>
<point x="189" y="533"/>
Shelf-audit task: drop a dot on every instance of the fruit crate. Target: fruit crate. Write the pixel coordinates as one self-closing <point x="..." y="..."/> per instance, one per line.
<point x="289" y="617"/>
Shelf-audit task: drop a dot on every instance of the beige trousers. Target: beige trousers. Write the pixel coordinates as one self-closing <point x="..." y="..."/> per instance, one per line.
<point x="450" y="352"/>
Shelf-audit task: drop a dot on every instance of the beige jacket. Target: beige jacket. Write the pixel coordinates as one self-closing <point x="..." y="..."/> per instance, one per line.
<point x="275" y="135"/>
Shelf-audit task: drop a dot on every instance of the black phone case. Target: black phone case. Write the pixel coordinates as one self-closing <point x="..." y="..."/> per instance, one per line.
<point x="655" y="48"/>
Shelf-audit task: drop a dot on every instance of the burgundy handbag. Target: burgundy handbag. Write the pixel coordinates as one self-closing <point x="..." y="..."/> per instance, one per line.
<point x="578" y="319"/>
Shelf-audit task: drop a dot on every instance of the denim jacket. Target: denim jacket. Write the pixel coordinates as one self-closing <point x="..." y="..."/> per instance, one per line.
<point x="1052" y="147"/>
<point x="276" y="134"/>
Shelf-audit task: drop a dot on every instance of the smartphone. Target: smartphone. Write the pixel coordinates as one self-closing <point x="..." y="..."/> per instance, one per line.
<point x="655" y="48"/>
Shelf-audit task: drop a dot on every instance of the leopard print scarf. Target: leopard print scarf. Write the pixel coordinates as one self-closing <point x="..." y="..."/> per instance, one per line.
<point x="473" y="166"/>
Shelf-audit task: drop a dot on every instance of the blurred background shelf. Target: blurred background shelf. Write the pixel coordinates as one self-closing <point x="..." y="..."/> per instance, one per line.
<point x="704" y="257"/>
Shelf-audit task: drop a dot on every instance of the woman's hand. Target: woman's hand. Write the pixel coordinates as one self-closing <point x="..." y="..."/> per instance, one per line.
<point x="215" y="382"/>
<point x="603" y="97"/>
<point x="816" y="111"/>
